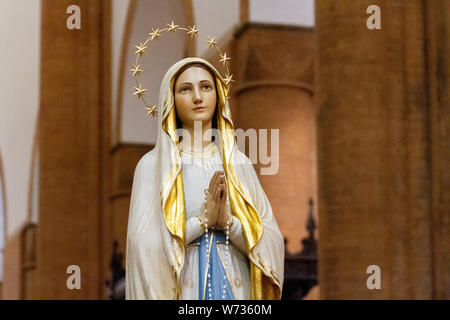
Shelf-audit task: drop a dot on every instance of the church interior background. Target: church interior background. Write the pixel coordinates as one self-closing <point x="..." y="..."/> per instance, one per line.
<point x="364" y="129"/>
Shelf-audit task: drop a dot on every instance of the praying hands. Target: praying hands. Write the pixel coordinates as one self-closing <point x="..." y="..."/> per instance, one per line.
<point x="216" y="213"/>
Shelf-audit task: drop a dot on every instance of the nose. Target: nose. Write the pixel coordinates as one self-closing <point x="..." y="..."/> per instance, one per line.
<point x="197" y="96"/>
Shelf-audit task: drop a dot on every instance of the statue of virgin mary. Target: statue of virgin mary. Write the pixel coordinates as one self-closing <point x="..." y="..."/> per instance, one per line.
<point x="200" y="225"/>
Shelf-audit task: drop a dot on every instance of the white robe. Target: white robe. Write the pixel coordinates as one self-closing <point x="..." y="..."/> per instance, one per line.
<point x="198" y="170"/>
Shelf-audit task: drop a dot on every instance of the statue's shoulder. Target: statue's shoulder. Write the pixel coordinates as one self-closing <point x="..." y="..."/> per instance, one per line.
<point x="241" y="158"/>
<point x="149" y="156"/>
<point x="243" y="167"/>
<point x="147" y="161"/>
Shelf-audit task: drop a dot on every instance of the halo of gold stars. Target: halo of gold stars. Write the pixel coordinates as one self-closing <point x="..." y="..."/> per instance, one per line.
<point x="157" y="33"/>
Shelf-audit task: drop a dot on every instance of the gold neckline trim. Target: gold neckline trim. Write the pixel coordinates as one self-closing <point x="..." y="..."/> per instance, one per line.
<point x="208" y="151"/>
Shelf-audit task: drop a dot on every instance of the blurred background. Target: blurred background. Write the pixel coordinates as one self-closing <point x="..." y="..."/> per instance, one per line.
<point x="363" y="117"/>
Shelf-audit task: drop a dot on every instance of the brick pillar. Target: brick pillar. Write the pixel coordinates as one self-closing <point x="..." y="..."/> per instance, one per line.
<point x="273" y="67"/>
<point x="72" y="140"/>
<point x="438" y="40"/>
<point x="374" y="151"/>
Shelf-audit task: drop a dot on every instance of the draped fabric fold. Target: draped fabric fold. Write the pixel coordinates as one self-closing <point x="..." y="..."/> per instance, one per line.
<point x="156" y="227"/>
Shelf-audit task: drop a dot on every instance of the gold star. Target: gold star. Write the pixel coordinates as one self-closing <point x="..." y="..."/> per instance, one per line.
<point x="193" y="32"/>
<point x="136" y="70"/>
<point x="155" y="33"/>
<point x="139" y="91"/>
<point x="211" y="42"/>
<point x="228" y="79"/>
<point x="140" y="49"/>
<point x="173" y="27"/>
<point x="152" y="111"/>
<point x="224" y="58"/>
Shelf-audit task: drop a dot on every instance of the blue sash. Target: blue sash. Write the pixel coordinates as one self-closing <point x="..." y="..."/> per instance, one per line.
<point x="216" y="267"/>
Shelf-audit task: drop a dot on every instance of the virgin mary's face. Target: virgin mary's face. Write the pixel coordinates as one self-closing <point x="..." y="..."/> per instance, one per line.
<point x="195" y="96"/>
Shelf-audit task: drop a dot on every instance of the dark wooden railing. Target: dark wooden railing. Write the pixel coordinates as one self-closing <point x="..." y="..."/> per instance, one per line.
<point x="300" y="269"/>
